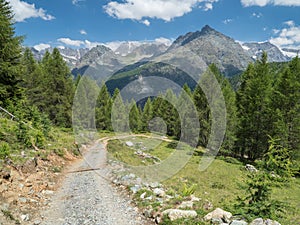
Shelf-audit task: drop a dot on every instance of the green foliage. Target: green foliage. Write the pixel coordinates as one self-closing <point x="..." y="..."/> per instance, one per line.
<point x="4" y="150"/>
<point x="254" y="114"/>
<point x="278" y="160"/>
<point x="103" y="109"/>
<point x="10" y="53"/>
<point x="188" y="190"/>
<point x="257" y="201"/>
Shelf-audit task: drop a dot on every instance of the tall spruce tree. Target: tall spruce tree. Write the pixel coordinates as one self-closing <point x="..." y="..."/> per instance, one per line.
<point x="103" y="109"/>
<point x="286" y="107"/>
<point x="59" y="89"/>
<point x="253" y="103"/>
<point x="10" y="54"/>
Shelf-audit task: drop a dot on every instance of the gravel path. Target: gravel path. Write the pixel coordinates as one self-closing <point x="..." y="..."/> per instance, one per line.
<point x="87" y="197"/>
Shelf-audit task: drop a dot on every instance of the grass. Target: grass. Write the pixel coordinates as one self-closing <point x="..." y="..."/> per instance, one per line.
<point x="218" y="184"/>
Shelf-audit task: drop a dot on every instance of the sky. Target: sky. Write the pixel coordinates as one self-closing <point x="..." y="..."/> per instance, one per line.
<point x="86" y="23"/>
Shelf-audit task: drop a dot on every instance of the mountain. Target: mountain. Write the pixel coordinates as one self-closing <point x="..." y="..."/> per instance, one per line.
<point x="70" y="55"/>
<point x="99" y="62"/>
<point x="215" y="47"/>
<point x="255" y="50"/>
<point x="290" y="52"/>
<point x="191" y="53"/>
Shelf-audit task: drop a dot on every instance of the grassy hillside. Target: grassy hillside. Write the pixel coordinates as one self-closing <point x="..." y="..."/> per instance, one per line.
<point x="219" y="185"/>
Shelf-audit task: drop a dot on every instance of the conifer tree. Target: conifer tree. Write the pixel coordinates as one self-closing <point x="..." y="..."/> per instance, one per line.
<point x="147" y="115"/>
<point x="286" y="107"/>
<point x="103" y="109"/>
<point x="134" y="118"/>
<point x="253" y="102"/>
<point x="10" y="54"/>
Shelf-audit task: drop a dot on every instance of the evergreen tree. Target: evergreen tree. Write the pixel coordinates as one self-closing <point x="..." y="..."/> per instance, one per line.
<point x="134" y="118"/>
<point x="231" y="111"/>
<point x="204" y="116"/>
<point x="84" y="103"/>
<point x="119" y="117"/>
<point x="59" y="89"/>
<point x="103" y="109"/>
<point x="147" y="115"/>
<point x="10" y="54"/>
<point x="286" y="107"/>
<point x="253" y="103"/>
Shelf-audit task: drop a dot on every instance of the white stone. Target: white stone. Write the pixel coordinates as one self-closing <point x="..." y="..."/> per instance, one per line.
<point x="175" y="214"/>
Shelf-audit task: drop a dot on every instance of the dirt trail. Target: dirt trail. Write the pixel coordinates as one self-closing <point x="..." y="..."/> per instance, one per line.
<point x="87" y="196"/>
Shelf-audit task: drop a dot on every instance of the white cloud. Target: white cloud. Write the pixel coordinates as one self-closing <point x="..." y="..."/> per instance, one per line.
<point x="290" y="23"/>
<point x="83" y="32"/>
<point x="287" y="37"/>
<point x="68" y="41"/>
<point x="78" y="43"/>
<point x="24" y="10"/>
<point x="160" y="9"/>
<point x="41" y="46"/>
<point x="163" y="40"/>
<point x="146" y="22"/>
<point x="227" y="21"/>
<point x="247" y="3"/>
<point x="257" y="15"/>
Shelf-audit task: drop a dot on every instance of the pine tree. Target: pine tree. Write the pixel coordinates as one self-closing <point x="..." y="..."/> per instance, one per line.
<point x="147" y="115"/>
<point x="119" y="116"/>
<point x="103" y="109"/>
<point x="134" y="118"/>
<point x="204" y="116"/>
<point x="231" y="111"/>
<point x="59" y="89"/>
<point x="10" y="54"/>
<point x="286" y="107"/>
<point x="253" y="103"/>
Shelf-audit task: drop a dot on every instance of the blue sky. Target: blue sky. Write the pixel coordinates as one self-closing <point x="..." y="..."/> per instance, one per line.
<point x="85" y="23"/>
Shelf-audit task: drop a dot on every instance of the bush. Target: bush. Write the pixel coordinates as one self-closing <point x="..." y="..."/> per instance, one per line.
<point x="4" y="150"/>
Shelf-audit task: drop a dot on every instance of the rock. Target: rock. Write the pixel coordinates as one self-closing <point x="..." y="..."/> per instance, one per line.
<point x="195" y="199"/>
<point x="148" y="213"/>
<point x="258" y="221"/>
<point x="159" y="192"/>
<point x="187" y="204"/>
<point x="216" y="221"/>
<point x="25" y="217"/>
<point x="271" y="222"/>
<point x="219" y="214"/>
<point x="208" y="205"/>
<point x="238" y="222"/>
<point x="37" y="222"/>
<point x="154" y="185"/>
<point x="22" y="200"/>
<point x="135" y="188"/>
<point x="47" y="192"/>
<point x="142" y="196"/>
<point x="175" y="214"/>
<point x="251" y="168"/>
<point x="129" y="144"/>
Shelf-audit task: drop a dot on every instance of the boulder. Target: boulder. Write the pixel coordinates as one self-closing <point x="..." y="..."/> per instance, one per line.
<point x="175" y="214"/>
<point x="159" y="192"/>
<point x="271" y="222"/>
<point x="260" y="221"/>
<point x="187" y="204"/>
<point x="129" y="144"/>
<point x="219" y="214"/>
<point x="251" y="168"/>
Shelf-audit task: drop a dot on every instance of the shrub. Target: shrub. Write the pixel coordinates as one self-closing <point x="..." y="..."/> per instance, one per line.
<point x="4" y="150"/>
